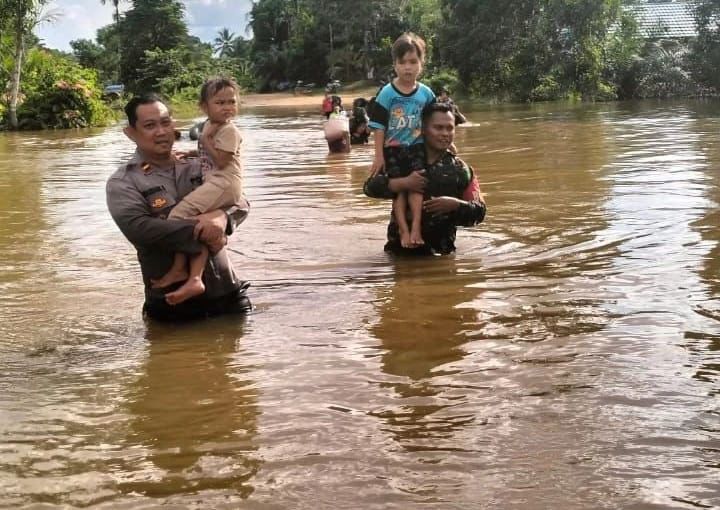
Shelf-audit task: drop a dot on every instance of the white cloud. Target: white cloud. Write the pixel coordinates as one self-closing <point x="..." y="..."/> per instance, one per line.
<point x="80" y="19"/>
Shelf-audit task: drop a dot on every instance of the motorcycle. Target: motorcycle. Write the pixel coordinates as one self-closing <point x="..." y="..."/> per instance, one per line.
<point x="333" y="86"/>
<point x="303" y="88"/>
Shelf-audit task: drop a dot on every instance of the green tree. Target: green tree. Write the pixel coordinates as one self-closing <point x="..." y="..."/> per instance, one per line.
<point x="224" y="43"/>
<point x="705" y="56"/>
<point x="116" y="16"/>
<point x="87" y="53"/>
<point x="496" y="30"/>
<point x="663" y="70"/>
<point x="59" y="93"/>
<point x="148" y="25"/>
<point x="21" y="17"/>
<point x="101" y="55"/>
<point x="529" y="49"/>
<point x="241" y="48"/>
<point x="622" y="54"/>
<point x="318" y="39"/>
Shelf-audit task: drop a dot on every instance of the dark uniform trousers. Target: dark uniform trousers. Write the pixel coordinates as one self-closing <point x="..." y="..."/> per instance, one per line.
<point x="236" y="303"/>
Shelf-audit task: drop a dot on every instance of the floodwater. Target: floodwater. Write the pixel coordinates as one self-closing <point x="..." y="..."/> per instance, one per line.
<point x="567" y="357"/>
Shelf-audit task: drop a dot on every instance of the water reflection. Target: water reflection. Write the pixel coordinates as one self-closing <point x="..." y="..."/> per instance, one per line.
<point x="422" y="329"/>
<point x="659" y="182"/>
<point x="193" y="413"/>
<point x="704" y="341"/>
<point x="566" y="357"/>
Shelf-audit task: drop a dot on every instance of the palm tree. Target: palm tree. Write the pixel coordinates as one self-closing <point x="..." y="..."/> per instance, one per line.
<point x="224" y="43"/>
<point x="116" y="4"/>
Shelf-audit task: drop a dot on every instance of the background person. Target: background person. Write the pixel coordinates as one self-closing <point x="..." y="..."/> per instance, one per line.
<point x="451" y="193"/>
<point x="444" y="97"/>
<point x="359" y="122"/>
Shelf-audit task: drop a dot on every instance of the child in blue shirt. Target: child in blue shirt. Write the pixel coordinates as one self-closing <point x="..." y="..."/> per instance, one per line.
<point x="396" y="120"/>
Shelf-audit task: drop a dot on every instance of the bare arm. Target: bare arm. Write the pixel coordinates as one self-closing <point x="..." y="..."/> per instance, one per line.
<point x="378" y="163"/>
<point x="379" y="186"/>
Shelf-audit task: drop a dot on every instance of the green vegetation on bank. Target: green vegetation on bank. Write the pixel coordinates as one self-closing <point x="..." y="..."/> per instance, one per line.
<point x="504" y="50"/>
<point x="45" y="88"/>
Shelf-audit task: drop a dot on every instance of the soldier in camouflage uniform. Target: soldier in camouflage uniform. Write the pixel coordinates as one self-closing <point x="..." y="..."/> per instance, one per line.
<point x="451" y="192"/>
<point x="141" y="193"/>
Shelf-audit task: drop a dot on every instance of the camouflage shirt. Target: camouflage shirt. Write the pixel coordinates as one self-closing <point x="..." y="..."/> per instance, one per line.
<point x="448" y="176"/>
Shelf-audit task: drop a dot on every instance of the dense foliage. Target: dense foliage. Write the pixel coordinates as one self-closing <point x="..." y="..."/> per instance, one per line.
<point x="59" y="93"/>
<point x="705" y="56"/>
<point x="318" y="40"/>
<point x="522" y="50"/>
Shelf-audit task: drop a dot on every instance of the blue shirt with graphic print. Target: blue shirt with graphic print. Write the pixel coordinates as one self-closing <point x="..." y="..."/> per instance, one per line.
<point x="400" y="115"/>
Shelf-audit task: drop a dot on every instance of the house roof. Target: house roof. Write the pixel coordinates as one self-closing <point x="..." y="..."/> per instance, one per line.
<point x="670" y="20"/>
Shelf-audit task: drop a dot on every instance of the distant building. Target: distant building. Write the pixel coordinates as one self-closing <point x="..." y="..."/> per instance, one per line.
<point x="664" y="20"/>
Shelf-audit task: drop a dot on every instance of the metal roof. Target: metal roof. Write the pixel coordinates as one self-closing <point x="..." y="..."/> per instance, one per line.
<point x="668" y="20"/>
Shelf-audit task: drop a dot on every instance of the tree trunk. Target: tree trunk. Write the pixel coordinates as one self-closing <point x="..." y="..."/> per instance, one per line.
<point x="117" y="38"/>
<point x="15" y="78"/>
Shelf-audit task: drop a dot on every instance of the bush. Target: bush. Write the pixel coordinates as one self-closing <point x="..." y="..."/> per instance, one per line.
<point x="59" y="94"/>
<point x="442" y="78"/>
<point x="547" y="90"/>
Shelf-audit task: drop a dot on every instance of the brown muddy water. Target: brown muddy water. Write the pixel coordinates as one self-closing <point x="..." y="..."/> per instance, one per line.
<point x="567" y="357"/>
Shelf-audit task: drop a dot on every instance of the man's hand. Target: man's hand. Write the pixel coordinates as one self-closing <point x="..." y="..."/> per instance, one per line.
<point x="416" y="182"/>
<point x="210" y="227"/>
<point x="441" y="205"/>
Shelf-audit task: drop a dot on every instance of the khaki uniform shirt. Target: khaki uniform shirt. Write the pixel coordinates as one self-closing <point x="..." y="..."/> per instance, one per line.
<point x="140" y="196"/>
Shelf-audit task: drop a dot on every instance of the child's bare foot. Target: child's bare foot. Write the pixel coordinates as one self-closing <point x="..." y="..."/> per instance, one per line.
<point x="191" y="288"/>
<point x="405" y="240"/>
<point x="416" y="238"/>
<point x="172" y="276"/>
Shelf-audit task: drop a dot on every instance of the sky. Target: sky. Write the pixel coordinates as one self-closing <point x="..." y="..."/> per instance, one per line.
<point x="80" y="19"/>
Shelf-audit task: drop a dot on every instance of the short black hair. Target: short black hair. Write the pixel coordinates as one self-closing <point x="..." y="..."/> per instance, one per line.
<point x="433" y="108"/>
<point x="132" y="105"/>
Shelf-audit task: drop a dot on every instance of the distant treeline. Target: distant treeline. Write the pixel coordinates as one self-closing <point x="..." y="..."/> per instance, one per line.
<point x="506" y="50"/>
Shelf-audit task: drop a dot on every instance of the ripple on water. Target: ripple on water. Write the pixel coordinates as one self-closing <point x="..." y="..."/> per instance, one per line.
<point x="566" y="355"/>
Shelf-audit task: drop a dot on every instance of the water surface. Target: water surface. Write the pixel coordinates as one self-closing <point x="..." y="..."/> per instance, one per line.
<point x="566" y="357"/>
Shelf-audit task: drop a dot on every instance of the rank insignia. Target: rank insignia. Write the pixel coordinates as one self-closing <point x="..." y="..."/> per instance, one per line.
<point x="159" y="202"/>
<point x="146" y="168"/>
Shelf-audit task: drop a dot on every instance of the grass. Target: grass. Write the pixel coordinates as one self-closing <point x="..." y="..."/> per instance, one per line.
<point x="185" y="109"/>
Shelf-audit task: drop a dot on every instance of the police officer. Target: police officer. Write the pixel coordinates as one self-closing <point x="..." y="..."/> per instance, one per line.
<point x="141" y="193"/>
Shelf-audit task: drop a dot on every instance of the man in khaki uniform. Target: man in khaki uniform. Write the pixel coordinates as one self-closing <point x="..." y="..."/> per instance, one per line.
<point x="141" y="193"/>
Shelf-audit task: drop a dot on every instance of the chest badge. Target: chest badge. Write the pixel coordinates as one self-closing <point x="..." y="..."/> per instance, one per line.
<point x="159" y="203"/>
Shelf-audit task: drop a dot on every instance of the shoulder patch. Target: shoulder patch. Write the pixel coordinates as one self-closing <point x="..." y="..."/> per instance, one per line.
<point x="159" y="203"/>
